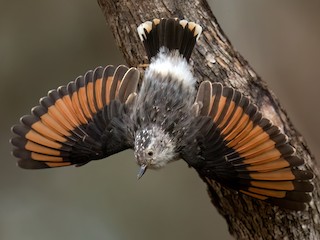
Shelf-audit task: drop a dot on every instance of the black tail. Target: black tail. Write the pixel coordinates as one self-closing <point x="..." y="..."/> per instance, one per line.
<point x="170" y="33"/>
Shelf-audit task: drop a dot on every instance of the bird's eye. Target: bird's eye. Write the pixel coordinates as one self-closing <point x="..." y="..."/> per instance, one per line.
<point x="150" y="153"/>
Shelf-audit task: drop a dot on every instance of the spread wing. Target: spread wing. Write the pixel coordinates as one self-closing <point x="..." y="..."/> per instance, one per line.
<point x="246" y="152"/>
<point x="83" y="121"/>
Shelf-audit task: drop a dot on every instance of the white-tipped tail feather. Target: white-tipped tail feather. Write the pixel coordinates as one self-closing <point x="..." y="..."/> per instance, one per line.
<point x="146" y="26"/>
<point x="172" y="34"/>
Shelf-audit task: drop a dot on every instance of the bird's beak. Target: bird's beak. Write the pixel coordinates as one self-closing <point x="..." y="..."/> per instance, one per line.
<point x="142" y="170"/>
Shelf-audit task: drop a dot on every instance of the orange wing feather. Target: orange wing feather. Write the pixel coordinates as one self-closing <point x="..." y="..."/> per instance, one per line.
<point x="61" y="130"/>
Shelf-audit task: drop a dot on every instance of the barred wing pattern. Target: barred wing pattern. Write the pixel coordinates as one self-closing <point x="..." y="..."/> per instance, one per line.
<point x="246" y="152"/>
<point x="77" y="123"/>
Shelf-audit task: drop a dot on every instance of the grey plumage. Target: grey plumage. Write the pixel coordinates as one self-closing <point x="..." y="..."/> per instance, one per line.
<point x="215" y="129"/>
<point x="161" y="113"/>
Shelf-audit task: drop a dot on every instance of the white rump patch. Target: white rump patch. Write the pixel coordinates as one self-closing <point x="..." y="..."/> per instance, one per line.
<point x="172" y="63"/>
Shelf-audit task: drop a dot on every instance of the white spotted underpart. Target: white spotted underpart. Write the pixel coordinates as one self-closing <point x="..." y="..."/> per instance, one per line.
<point x="154" y="147"/>
<point x="172" y="63"/>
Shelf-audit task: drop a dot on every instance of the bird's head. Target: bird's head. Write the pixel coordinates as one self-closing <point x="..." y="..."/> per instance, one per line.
<point x="153" y="148"/>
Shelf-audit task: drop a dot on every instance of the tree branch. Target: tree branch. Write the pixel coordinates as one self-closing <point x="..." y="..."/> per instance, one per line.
<point x="215" y="59"/>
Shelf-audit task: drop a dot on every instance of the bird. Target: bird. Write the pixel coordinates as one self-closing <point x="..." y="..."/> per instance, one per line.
<point x="163" y="117"/>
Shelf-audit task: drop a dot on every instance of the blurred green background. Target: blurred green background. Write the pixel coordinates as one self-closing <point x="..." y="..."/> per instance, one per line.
<point x="44" y="44"/>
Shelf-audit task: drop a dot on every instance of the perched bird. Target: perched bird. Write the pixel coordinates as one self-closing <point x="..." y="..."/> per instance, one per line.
<point x="164" y="118"/>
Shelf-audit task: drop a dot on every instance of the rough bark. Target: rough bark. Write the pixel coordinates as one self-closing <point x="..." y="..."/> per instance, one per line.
<point x="215" y="59"/>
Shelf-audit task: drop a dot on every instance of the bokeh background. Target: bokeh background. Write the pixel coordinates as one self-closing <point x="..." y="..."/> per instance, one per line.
<point x="44" y="44"/>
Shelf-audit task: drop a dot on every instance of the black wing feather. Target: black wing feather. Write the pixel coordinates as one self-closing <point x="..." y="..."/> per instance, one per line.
<point x="77" y="123"/>
<point x="239" y="148"/>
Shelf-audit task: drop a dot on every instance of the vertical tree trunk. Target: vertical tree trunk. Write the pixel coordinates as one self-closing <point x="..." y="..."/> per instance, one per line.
<point x="215" y="59"/>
